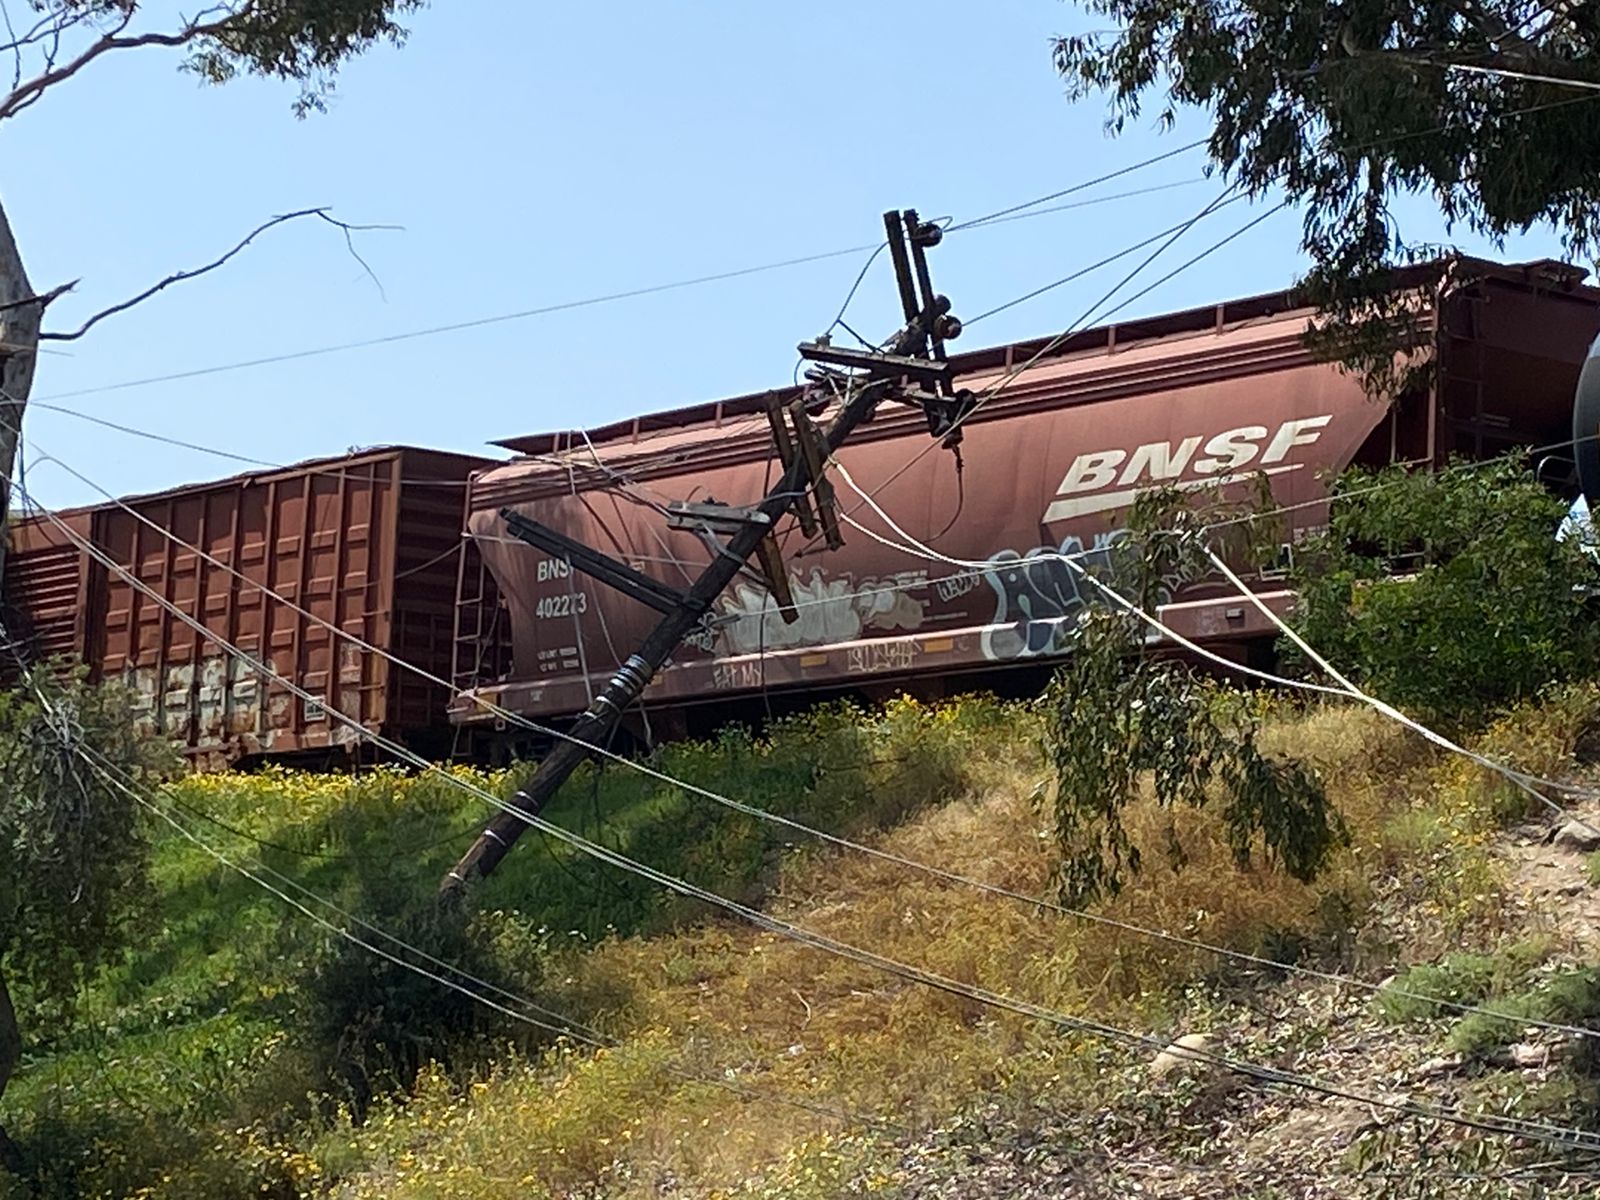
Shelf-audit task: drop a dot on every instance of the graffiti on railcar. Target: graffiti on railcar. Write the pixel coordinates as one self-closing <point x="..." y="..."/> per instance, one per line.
<point x="952" y="587"/>
<point x="840" y="609"/>
<point x="737" y="676"/>
<point x="1039" y="597"/>
<point x="1038" y="601"/>
<point x="870" y="658"/>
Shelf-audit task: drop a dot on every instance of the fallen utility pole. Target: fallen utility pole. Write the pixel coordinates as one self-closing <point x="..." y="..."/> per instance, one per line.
<point x="915" y="358"/>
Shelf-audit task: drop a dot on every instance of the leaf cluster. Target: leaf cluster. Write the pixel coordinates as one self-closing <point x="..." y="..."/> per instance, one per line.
<point x="1115" y="717"/>
<point x="1347" y="106"/>
<point x="299" y="41"/>
<point x="1447" y="593"/>
<point x="73" y="854"/>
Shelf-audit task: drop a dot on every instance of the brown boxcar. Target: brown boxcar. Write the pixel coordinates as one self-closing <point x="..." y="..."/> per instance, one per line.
<point x="370" y="542"/>
<point x="1215" y="393"/>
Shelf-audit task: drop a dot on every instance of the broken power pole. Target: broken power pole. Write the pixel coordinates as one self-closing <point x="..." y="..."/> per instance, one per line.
<point x="912" y="370"/>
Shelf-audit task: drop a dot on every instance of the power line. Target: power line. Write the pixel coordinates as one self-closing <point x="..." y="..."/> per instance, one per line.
<point x="1521" y="779"/>
<point x="11" y="401"/>
<point x="1082" y="271"/>
<point x="765" y="814"/>
<point x="587" y="302"/>
<point x="1128" y="195"/>
<point x="1507" y="73"/>
<point x="991" y="218"/>
<point x="1563" y="1136"/>
<point x="458" y="326"/>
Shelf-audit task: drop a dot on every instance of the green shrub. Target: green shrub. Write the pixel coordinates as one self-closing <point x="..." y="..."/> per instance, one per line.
<point x="1456" y="979"/>
<point x="1571" y="998"/>
<point x="1463" y="978"/>
<point x="375" y="1023"/>
<point x="1446" y="594"/>
<point x="73" y="854"/>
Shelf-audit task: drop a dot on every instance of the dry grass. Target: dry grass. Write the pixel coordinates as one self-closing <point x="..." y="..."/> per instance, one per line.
<point x="719" y="1000"/>
<point x="724" y="1000"/>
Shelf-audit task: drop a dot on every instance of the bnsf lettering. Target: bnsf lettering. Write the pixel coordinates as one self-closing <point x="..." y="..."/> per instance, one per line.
<point x="1233" y="449"/>
<point x="1159" y="461"/>
<point x="553" y="568"/>
<point x="1083" y="488"/>
<point x="1294" y="433"/>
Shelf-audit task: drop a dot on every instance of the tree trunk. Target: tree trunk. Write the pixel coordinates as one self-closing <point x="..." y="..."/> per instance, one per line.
<point x="19" y="346"/>
<point x="10" y="1055"/>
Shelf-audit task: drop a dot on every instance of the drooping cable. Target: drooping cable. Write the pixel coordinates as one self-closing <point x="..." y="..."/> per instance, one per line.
<point x="1033" y="901"/>
<point x="1521" y="779"/>
<point x="1554" y="1135"/>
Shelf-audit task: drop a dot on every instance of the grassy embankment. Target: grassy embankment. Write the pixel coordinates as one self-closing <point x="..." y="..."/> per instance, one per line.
<point x="206" y="1064"/>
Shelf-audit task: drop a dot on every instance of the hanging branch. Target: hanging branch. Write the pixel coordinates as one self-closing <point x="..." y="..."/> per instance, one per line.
<point x="180" y="276"/>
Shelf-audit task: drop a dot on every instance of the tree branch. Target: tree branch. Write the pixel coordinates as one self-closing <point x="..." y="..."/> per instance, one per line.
<point x="48" y="25"/>
<point x="29" y="92"/>
<point x="43" y="299"/>
<point x="350" y="245"/>
<point x="14" y="46"/>
<point x="180" y="276"/>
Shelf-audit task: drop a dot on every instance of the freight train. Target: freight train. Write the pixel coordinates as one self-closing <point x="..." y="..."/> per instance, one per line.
<point x="411" y="549"/>
<point x="368" y="542"/>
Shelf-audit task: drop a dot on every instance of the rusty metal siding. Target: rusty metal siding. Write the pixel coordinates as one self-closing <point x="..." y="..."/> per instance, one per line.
<point x="363" y="542"/>
<point x="423" y="578"/>
<point x="44" y="591"/>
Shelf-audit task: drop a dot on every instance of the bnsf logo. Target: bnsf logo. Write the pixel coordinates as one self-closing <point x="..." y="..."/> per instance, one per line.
<point x="1222" y="458"/>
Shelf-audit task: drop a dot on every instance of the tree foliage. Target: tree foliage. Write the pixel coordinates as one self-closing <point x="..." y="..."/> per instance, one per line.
<point x="300" y="41"/>
<point x="1346" y="106"/>
<point x="72" y="853"/>
<point x="1117" y="715"/>
<point x="1116" y="718"/>
<point x="1447" y="594"/>
<point x="72" y="857"/>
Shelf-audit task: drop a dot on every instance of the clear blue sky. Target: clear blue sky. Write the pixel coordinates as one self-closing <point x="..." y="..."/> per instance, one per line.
<point x="538" y="153"/>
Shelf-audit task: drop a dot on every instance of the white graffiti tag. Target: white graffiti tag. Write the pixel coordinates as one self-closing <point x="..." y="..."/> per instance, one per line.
<point x="830" y="610"/>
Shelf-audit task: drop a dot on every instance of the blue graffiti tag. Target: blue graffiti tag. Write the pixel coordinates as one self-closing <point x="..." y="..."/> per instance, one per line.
<point x="1038" y="598"/>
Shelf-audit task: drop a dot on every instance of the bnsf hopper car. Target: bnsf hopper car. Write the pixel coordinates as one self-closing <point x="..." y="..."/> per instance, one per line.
<point x="1051" y="463"/>
<point x="370" y="542"/>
